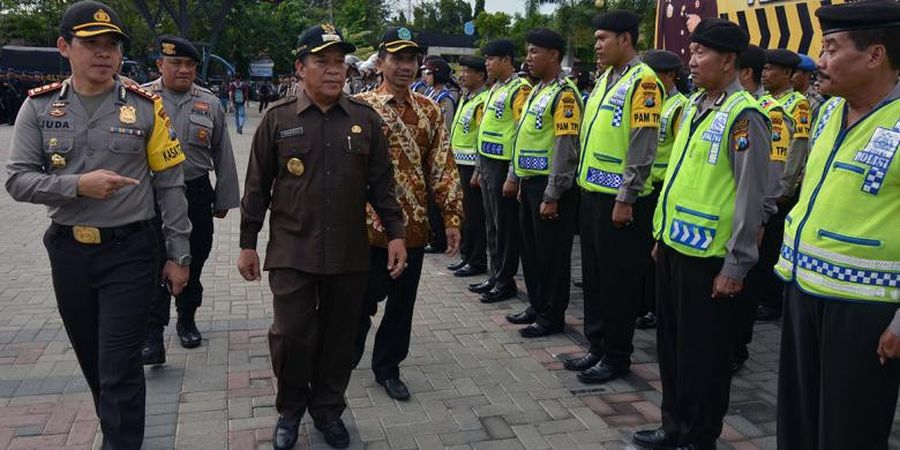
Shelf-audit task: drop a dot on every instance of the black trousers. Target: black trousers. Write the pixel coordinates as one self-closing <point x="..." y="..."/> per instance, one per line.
<point x="547" y="252"/>
<point x="473" y="248"/>
<point x="833" y="393"/>
<point x="614" y="263"/>
<point x="309" y="340"/>
<point x="762" y="286"/>
<point x="200" y="197"/>
<point x="103" y="293"/>
<point x="392" y="337"/>
<point x="648" y="286"/>
<point x="502" y="218"/>
<point x="695" y="343"/>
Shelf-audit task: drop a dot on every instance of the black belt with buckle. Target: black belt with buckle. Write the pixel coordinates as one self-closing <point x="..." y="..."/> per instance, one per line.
<point x="97" y="235"/>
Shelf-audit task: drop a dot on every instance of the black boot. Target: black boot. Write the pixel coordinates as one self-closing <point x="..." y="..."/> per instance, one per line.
<point x="187" y="330"/>
<point x="154" y="351"/>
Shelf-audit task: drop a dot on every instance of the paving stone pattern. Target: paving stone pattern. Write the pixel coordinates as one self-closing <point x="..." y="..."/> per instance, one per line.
<point x="475" y="382"/>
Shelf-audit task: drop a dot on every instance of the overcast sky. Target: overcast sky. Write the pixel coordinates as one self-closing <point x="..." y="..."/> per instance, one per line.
<point x="508" y="6"/>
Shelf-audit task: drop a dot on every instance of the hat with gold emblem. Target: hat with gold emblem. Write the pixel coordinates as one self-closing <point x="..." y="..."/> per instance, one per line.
<point x="177" y="47"/>
<point x="319" y="37"/>
<point x="396" y="39"/>
<point x="87" y="18"/>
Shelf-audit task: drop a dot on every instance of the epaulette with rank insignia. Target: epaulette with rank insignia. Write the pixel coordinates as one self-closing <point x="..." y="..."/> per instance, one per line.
<point x="142" y="92"/>
<point x="282" y="101"/>
<point x="44" y="89"/>
<point x="360" y="102"/>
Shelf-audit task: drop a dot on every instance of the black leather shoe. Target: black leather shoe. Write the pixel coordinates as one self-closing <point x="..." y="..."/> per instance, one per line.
<point x="578" y="283"/>
<point x="765" y="313"/>
<point x="600" y="373"/>
<point x="523" y="318"/>
<point x="457" y="265"/>
<point x="188" y="333"/>
<point x="154" y="351"/>
<point x="395" y="388"/>
<point x="481" y="288"/>
<point x="335" y="433"/>
<point x="645" y="322"/>
<point x="285" y="435"/>
<point x="498" y="295"/>
<point x="469" y="271"/>
<point x="657" y="438"/>
<point x="583" y="363"/>
<point x="535" y="330"/>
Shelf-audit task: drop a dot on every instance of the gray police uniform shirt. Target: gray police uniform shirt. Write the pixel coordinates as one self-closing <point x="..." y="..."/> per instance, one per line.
<point x="751" y="170"/>
<point x="776" y="168"/>
<point x="55" y="141"/>
<point x="200" y="126"/>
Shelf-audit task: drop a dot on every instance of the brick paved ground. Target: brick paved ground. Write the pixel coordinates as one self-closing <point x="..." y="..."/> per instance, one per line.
<point x="475" y="382"/>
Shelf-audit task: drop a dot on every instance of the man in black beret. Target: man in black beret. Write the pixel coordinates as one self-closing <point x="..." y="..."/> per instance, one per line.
<point x="463" y="141"/>
<point x="706" y="227"/>
<point x="199" y="122"/>
<point x="503" y="109"/>
<point x="618" y="145"/>
<point x="668" y="68"/>
<point x="545" y="159"/>
<point x="759" y="282"/>
<point x="839" y="372"/>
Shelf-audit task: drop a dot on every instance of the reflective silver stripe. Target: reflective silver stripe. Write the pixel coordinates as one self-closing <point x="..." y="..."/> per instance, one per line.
<point x="815" y="279"/>
<point x="870" y="264"/>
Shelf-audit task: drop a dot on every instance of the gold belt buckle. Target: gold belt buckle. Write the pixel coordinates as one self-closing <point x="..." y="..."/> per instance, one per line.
<point x="86" y="235"/>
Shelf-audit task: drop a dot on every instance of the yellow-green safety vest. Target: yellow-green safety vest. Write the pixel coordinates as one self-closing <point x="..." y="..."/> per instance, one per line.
<point x="673" y="107"/>
<point x="841" y="240"/>
<point x="533" y="148"/>
<point x="464" y="135"/>
<point x="606" y="132"/>
<point x="795" y="104"/>
<point x="695" y="212"/>
<point x="781" y="134"/>
<point x="498" y="126"/>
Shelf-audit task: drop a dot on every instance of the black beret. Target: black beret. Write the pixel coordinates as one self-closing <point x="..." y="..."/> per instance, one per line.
<point x="619" y="20"/>
<point x="546" y="38"/>
<point x="438" y="65"/>
<point x="88" y="18"/>
<point x="473" y="62"/>
<point x="662" y="60"/>
<point x="399" y="38"/>
<point x="859" y="16"/>
<point x="782" y="57"/>
<point x="319" y="37"/>
<point x="502" y="47"/>
<point x="720" y="34"/>
<point x="752" y="58"/>
<point x="177" y="46"/>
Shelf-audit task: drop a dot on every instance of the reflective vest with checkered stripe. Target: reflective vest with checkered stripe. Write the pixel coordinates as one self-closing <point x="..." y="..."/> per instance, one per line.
<point x="498" y="125"/>
<point x="696" y="208"/>
<point x="666" y="136"/>
<point x="533" y="147"/>
<point x="790" y="103"/>
<point x="841" y="240"/>
<point x="464" y="135"/>
<point x="606" y="132"/>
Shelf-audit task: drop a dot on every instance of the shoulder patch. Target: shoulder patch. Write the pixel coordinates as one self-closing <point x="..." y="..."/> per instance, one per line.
<point x="282" y="101"/>
<point x="141" y="92"/>
<point x="38" y="91"/>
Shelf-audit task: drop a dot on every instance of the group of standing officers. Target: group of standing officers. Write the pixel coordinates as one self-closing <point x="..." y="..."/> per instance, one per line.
<point x="689" y="198"/>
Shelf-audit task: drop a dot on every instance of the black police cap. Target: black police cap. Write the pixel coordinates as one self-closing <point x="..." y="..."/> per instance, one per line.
<point x="89" y="18"/>
<point x="619" y="20"/>
<point x="319" y="37"/>
<point x="502" y="47"/>
<point x="177" y="46"/>
<point x="859" y="16"/>
<point x="546" y="38"/>
<point x="752" y="58"/>
<point x="783" y="58"/>
<point x="473" y="62"/>
<point x="662" y="60"/>
<point x="399" y="38"/>
<point x="720" y="34"/>
<point x="437" y="65"/>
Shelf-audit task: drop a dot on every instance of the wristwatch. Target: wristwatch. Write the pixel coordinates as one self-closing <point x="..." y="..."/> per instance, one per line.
<point x="183" y="260"/>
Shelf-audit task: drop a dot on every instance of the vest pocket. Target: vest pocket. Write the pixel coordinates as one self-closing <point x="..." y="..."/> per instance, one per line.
<point x="823" y="233"/>
<point x="694" y="227"/>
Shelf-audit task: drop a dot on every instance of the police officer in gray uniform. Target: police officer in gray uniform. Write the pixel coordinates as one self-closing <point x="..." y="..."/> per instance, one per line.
<point x="96" y="151"/>
<point x="200" y="126"/>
